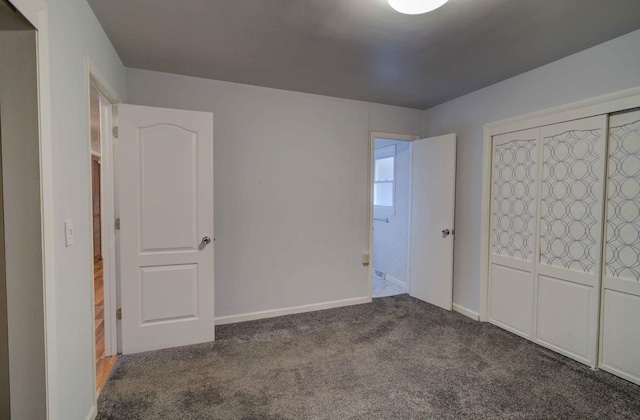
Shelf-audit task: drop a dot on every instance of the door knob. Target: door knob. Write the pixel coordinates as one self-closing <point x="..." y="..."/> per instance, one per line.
<point x="445" y="233"/>
<point x="206" y="241"/>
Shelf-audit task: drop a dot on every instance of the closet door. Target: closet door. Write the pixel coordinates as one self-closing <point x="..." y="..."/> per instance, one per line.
<point x="567" y="286"/>
<point x="620" y="326"/>
<point x="513" y="223"/>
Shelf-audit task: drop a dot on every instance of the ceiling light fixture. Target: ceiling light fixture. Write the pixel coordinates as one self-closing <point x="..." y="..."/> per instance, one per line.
<point x="416" y="7"/>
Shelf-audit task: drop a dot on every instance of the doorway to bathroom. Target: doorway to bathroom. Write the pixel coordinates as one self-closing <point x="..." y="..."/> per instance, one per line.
<point x="391" y="215"/>
<point x="412" y="216"/>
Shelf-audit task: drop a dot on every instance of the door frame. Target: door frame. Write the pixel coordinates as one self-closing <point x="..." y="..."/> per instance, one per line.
<point x="373" y="135"/>
<point x="605" y="104"/>
<point x="94" y="77"/>
<point x="36" y="12"/>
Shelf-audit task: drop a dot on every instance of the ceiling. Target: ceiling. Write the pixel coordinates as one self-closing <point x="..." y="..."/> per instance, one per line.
<point x="359" y="49"/>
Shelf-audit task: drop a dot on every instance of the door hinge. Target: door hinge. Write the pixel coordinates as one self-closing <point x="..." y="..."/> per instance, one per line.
<point x="115" y="132"/>
<point x="117" y="224"/>
<point x="119" y="314"/>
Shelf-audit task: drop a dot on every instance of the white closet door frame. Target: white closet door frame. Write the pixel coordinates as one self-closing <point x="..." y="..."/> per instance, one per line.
<point x="567" y="291"/>
<point x="605" y="104"/>
<point x="548" y="188"/>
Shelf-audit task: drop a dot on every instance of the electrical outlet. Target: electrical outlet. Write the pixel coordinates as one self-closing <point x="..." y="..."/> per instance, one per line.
<point x="68" y="232"/>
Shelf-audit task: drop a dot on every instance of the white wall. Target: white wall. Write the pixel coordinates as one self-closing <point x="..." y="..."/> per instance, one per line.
<point x="73" y="33"/>
<point x="606" y="68"/>
<point x="22" y="222"/>
<point x="291" y="187"/>
<point x="391" y="240"/>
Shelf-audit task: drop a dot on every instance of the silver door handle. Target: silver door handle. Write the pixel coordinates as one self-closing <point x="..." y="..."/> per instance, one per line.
<point x="206" y="241"/>
<point x="445" y="233"/>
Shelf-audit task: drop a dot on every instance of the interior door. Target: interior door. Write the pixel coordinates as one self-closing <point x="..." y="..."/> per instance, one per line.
<point x="433" y="185"/>
<point x="513" y="223"/>
<point x="620" y="329"/>
<point x="570" y="197"/>
<point x="166" y="213"/>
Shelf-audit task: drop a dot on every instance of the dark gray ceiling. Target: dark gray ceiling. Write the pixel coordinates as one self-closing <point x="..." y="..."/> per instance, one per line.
<point x="359" y="49"/>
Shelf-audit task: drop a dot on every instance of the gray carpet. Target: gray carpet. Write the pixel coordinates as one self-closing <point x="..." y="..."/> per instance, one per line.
<point x="394" y="358"/>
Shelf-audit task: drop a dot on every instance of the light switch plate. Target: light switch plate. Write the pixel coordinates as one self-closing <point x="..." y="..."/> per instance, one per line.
<point x="366" y="258"/>
<point x="68" y="232"/>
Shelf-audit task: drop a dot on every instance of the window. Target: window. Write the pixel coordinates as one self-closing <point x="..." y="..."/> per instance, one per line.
<point x="384" y="185"/>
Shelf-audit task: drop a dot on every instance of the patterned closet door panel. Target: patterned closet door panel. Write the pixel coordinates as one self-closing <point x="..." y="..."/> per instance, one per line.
<point x="620" y="339"/>
<point x="514" y="196"/>
<point x="623" y="205"/>
<point x="570" y="236"/>
<point x="513" y="223"/>
<point x="570" y="205"/>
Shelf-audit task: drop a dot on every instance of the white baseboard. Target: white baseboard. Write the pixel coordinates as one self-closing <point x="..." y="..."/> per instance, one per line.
<point x="466" y="312"/>
<point x="231" y="319"/>
<point x="93" y="412"/>
<point x="395" y="281"/>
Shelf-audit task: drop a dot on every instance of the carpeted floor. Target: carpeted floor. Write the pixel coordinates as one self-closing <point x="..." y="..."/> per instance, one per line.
<point x="394" y="358"/>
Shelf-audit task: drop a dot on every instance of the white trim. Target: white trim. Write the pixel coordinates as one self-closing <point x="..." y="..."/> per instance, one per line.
<point x="93" y="411"/>
<point x="369" y="253"/>
<point x="466" y="312"/>
<point x="383" y="135"/>
<point x="100" y="82"/>
<point x="36" y="12"/>
<point x="605" y="104"/>
<point x="485" y="226"/>
<point x="396" y="281"/>
<point x="618" y="372"/>
<point x="95" y="78"/>
<point x="232" y="319"/>
<point x="409" y="218"/>
<point x="89" y="227"/>
<point x="108" y="225"/>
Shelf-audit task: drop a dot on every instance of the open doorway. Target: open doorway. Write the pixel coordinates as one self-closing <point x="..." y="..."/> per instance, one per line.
<point x="391" y="214"/>
<point x="101" y="209"/>
<point x="412" y="216"/>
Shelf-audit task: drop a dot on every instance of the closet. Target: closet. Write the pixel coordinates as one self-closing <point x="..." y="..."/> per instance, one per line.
<point x="564" y="238"/>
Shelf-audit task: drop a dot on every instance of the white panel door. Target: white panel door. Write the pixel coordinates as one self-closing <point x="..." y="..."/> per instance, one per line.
<point x="166" y="213"/>
<point x="570" y="209"/>
<point x="620" y="324"/>
<point x="513" y="223"/>
<point x="433" y="186"/>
